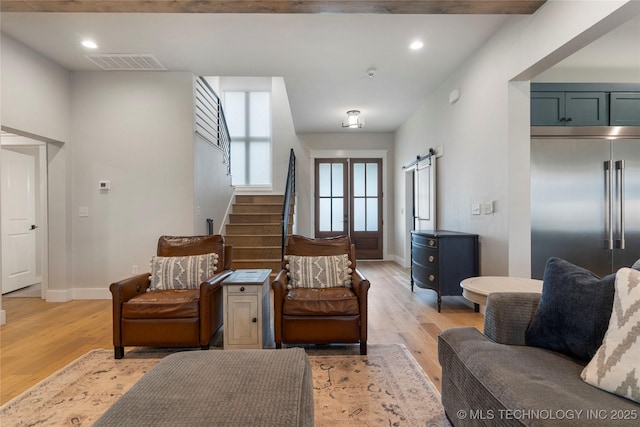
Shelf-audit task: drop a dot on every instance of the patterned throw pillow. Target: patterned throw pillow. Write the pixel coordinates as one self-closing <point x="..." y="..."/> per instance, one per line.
<point x="182" y="272"/>
<point x="318" y="271"/>
<point x="615" y="366"/>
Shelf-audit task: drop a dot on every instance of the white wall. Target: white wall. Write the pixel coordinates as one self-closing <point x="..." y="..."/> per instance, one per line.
<point x="136" y="130"/>
<point x="213" y="191"/>
<point x="35" y="92"/>
<point x="284" y="138"/>
<point x="485" y="135"/>
<point x="35" y="99"/>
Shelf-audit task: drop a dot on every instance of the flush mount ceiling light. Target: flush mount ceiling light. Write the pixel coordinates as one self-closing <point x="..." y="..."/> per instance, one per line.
<point x="354" y="121"/>
<point x="416" y="45"/>
<point x="89" y="44"/>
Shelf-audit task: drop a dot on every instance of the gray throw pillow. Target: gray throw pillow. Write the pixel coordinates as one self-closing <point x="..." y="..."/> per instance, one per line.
<point x="574" y="310"/>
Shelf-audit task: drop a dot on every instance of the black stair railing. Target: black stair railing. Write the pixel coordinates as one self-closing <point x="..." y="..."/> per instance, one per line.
<point x="289" y="190"/>
<point x="211" y="124"/>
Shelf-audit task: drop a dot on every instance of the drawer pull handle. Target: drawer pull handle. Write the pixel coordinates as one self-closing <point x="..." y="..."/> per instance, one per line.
<point x="432" y="277"/>
<point x="432" y="242"/>
<point x="242" y="289"/>
<point x="254" y="320"/>
<point x="431" y="258"/>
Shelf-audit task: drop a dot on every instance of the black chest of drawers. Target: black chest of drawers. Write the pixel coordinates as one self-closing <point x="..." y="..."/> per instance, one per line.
<point x="441" y="259"/>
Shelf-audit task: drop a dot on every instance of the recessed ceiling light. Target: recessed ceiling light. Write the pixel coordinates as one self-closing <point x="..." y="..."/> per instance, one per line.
<point x="416" y="45"/>
<point x="90" y="44"/>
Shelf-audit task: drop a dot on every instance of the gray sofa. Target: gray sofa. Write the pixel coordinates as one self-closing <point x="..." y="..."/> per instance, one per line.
<point x="494" y="379"/>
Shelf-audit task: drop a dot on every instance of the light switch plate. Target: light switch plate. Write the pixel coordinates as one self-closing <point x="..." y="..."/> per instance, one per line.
<point x="83" y="212"/>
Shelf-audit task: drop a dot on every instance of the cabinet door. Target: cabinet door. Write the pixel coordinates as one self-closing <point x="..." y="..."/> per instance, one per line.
<point x="586" y="109"/>
<point x="625" y="109"/>
<point x="242" y="322"/>
<point x="547" y="109"/>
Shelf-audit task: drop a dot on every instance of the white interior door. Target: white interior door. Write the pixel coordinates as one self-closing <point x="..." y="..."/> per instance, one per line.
<point x="18" y="221"/>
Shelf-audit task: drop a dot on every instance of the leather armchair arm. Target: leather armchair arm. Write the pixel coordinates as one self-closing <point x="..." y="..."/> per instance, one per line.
<point x="279" y="286"/>
<point x="210" y="286"/>
<point x="122" y="291"/>
<point x="209" y="291"/>
<point x="361" y="285"/>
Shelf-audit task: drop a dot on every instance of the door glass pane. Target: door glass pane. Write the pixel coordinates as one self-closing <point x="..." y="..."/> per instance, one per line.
<point x="259" y="109"/>
<point x="372" y="179"/>
<point x="358" y="180"/>
<point x="372" y="214"/>
<point x="324" y="178"/>
<point x="260" y="161"/>
<point x="337" y="183"/>
<point x="337" y="219"/>
<point x="235" y="113"/>
<point x="324" y="214"/>
<point x="359" y="214"/>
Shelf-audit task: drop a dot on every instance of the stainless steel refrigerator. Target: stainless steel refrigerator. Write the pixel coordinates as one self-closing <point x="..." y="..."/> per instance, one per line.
<point x="585" y="200"/>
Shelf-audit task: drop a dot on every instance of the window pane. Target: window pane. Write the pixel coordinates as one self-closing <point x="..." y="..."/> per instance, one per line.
<point x="324" y="214"/>
<point x="337" y="214"/>
<point x="234" y="111"/>
<point x="238" y="168"/>
<point x="259" y="163"/>
<point x="372" y="214"/>
<point x="358" y="179"/>
<point x="359" y="214"/>
<point x="337" y="183"/>
<point x="324" y="176"/>
<point x="260" y="113"/>
<point x="372" y="179"/>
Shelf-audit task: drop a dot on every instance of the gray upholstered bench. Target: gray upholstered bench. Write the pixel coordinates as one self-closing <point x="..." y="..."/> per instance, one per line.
<point x="220" y="387"/>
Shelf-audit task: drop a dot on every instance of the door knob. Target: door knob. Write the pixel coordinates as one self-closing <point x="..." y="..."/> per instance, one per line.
<point x="33" y="227"/>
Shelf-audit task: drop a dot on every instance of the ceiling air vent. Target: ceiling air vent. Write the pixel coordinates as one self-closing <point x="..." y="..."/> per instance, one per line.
<point x="126" y="61"/>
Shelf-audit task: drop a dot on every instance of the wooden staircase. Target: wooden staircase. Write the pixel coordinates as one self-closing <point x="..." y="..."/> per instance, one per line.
<point x="255" y="231"/>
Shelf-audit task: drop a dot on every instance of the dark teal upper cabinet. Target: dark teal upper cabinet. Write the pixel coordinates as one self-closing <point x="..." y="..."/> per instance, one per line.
<point x="585" y="104"/>
<point x="586" y="109"/>
<point x="569" y="109"/>
<point x="547" y="109"/>
<point x="625" y="109"/>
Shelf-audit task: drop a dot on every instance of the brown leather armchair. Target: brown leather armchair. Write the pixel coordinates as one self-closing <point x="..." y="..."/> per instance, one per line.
<point x="171" y="317"/>
<point x="320" y="315"/>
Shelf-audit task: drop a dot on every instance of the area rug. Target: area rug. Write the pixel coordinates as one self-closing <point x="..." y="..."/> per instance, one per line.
<point x="386" y="387"/>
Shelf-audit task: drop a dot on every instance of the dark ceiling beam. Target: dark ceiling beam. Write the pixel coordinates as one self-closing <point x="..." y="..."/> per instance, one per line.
<point x="277" y="6"/>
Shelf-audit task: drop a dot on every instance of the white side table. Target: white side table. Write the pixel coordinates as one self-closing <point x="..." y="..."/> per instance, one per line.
<point x="246" y="300"/>
<point x="476" y="289"/>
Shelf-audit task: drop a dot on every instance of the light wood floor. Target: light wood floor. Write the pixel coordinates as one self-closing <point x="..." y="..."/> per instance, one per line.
<point x="40" y="337"/>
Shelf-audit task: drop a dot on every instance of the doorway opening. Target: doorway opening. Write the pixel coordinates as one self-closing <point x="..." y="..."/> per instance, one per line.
<point x="23" y="230"/>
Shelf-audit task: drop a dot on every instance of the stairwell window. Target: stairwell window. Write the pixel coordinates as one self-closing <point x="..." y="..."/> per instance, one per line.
<point x="248" y="117"/>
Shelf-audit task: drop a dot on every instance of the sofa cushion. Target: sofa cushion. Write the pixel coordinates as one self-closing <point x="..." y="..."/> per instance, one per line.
<point x="182" y="272"/>
<point x="519" y="386"/>
<point x="163" y="304"/>
<point x="327" y="271"/>
<point x="574" y="310"/>
<point x="320" y="302"/>
<point x="615" y="367"/>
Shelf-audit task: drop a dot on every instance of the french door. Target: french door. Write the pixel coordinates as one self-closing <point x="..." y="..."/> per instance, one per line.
<point x="348" y="201"/>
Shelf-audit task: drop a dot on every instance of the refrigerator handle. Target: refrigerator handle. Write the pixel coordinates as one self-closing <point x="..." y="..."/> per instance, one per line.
<point x="619" y="243"/>
<point x="608" y="206"/>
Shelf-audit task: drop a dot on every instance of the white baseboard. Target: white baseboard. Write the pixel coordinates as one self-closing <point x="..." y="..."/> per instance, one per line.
<point x="77" y="293"/>
<point x="59" y="296"/>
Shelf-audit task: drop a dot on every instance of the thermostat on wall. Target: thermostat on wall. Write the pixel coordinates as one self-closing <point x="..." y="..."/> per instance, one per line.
<point x="105" y="185"/>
